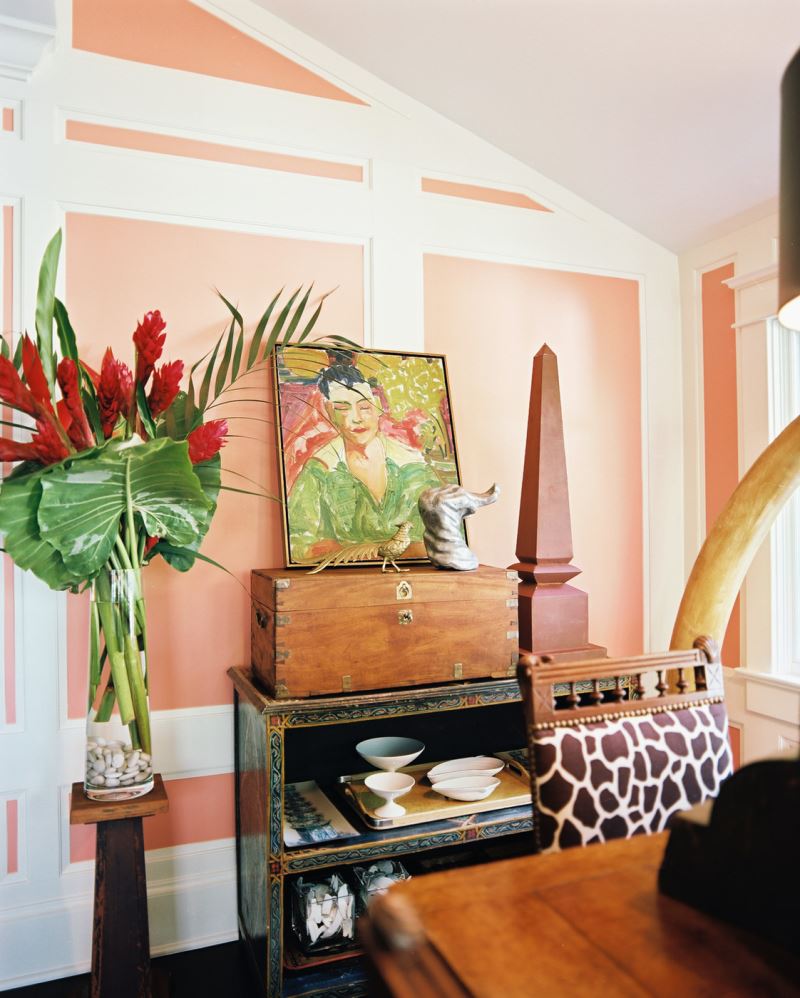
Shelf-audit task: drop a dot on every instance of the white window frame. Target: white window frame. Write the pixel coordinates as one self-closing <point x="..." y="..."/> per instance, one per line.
<point x="783" y="351"/>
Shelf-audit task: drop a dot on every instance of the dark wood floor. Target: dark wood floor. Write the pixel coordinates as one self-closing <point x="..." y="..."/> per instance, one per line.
<point x="217" y="970"/>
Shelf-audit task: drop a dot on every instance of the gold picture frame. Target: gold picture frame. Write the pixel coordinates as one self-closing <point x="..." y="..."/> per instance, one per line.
<point x="360" y="434"/>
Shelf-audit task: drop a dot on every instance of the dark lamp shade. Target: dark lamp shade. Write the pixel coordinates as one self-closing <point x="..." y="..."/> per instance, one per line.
<point x="789" y="253"/>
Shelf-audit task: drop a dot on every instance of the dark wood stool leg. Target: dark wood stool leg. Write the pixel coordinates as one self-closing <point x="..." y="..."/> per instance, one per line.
<point x="121" y="940"/>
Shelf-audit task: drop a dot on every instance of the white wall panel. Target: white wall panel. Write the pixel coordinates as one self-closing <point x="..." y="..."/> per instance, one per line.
<point x="192" y="888"/>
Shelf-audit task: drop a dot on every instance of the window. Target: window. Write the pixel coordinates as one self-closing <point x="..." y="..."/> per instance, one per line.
<point x="784" y="394"/>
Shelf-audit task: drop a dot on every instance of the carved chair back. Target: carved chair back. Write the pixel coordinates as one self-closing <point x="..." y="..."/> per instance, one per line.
<point x="633" y="741"/>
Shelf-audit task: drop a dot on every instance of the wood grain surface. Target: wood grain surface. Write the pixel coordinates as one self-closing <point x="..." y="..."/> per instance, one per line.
<point x="586" y="921"/>
<point x="84" y="811"/>
<point x="351" y="629"/>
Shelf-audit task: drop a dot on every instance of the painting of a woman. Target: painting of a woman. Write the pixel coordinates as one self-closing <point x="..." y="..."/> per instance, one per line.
<point x="362" y="435"/>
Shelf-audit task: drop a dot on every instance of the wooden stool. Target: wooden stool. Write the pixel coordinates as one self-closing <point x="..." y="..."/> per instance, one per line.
<point x="120" y="936"/>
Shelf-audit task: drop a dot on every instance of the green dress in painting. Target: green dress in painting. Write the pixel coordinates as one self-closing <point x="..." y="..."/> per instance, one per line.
<point x="328" y="502"/>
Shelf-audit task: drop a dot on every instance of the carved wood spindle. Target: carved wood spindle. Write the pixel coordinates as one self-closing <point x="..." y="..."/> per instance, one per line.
<point x="700" y="680"/>
<point x="596" y="696"/>
<point x="661" y="686"/>
<point x="639" y="686"/>
<point x="572" y="697"/>
<point x="682" y="683"/>
<point x="618" y="693"/>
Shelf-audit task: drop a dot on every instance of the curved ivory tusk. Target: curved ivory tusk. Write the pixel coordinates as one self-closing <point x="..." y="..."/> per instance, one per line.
<point x="729" y="549"/>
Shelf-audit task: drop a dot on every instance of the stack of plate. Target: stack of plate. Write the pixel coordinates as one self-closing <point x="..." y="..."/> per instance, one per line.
<point x="468" y="779"/>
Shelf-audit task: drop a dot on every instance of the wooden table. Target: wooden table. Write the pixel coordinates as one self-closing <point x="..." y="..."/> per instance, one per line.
<point x="581" y="922"/>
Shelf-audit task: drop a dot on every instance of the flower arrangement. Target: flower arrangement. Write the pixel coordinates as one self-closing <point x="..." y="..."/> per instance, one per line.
<point x="122" y="466"/>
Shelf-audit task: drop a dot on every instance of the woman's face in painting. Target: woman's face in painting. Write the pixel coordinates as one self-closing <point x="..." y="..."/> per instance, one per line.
<point x="354" y="412"/>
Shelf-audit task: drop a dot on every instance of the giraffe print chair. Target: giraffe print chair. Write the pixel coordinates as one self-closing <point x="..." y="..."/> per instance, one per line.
<point x="633" y="741"/>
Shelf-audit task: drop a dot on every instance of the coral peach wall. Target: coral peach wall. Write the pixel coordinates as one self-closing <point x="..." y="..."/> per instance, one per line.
<point x="179" y="35"/>
<point x="720" y="416"/>
<point x="118" y="268"/>
<point x="200" y="810"/>
<point x="490" y="319"/>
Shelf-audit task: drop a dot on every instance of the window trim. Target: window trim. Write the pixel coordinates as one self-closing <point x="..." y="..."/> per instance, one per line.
<point x="783" y="351"/>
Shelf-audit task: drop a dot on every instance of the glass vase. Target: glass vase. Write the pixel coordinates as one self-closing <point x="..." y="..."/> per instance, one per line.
<point x="119" y="758"/>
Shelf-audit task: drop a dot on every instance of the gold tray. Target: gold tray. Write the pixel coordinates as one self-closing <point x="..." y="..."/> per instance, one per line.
<point x="422" y="804"/>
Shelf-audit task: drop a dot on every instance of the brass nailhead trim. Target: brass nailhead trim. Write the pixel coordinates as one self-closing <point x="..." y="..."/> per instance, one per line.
<point x="572" y="722"/>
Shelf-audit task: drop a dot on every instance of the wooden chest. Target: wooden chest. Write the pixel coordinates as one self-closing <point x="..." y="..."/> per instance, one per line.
<point x="361" y="629"/>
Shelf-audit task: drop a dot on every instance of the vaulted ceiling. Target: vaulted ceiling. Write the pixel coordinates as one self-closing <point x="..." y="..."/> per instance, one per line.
<point x="663" y="113"/>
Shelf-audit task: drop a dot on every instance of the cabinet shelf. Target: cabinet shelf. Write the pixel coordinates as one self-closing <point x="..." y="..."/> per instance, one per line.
<point x="391" y="843"/>
<point x="284" y="741"/>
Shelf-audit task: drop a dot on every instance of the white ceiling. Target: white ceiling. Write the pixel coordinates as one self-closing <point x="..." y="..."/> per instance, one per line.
<point x="663" y="113"/>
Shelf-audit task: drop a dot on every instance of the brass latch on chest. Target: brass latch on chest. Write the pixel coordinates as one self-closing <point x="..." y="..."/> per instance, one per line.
<point x="405" y="616"/>
<point x="404" y="590"/>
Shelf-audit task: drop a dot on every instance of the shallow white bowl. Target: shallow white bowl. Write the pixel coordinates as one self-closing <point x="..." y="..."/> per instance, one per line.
<point x="390" y="753"/>
<point x="484" y="765"/>
<point x="469" y="788"/>
<point x="462" y="774"/>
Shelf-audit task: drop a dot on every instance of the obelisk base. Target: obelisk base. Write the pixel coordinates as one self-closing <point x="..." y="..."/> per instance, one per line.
<point x="553" y="620"/>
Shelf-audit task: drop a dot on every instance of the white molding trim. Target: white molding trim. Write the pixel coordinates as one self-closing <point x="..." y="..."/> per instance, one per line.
<point x="217" y="138"/>
<point x="526" y="261"/>
<point x="195" y="741"/>
<point x="22" y="45"/>
<point x="783" y="353"/>
<point x="791" y="683"/>
<point x="191" y="901"/>
<point x="767" y="710"/>
<point x="491" y="185"/>
<point x="760" y="276"/>
<point x="208" y="222"/>
<point x="755" y="321"/>
<point x="15" y="105"/>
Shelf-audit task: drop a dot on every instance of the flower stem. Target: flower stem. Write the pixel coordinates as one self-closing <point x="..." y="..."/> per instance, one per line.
<point x="112" y="631"/>
<point x="130" y="527"/>
<point x="133" y="663"/>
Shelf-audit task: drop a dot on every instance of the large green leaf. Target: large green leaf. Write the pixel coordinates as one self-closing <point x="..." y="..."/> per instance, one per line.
<point x="180" y="419"/>
<point x="209" y="473"/>
<point x="19" y="504"/>
<point x="66" y="334"/>
<point x="82" y="501"/>
<point x="45" y="306"/>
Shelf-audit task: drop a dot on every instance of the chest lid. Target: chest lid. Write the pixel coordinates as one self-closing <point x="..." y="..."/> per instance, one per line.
<point x="293" y="590"/>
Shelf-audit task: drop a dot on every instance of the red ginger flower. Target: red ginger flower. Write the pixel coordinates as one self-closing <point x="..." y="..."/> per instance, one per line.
<point x="13" y="392"/>
<point x="114" y="391"/>
<point x="205" y="442"/>
<point x="166" y="383"/>
<point x="47" y="445"/>
<point x="149" y="342"/>
<point x="79" y="431"/>
<point x="34" y="374"/>
<point x="15" y="450"/>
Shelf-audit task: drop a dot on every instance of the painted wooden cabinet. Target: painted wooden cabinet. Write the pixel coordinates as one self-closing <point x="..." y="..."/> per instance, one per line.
<point x="285" y="741"/>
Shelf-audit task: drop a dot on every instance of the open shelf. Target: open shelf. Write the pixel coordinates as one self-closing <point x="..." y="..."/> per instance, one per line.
<point x="295" y="959"/>
<point x="346" y="976"/>
<point x="391" y="843"/>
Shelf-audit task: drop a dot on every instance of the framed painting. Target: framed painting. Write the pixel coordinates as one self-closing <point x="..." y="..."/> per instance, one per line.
<point x="361" y="433"/>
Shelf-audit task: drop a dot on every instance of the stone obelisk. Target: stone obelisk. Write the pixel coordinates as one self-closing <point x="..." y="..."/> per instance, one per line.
<point x="553" y="616"/>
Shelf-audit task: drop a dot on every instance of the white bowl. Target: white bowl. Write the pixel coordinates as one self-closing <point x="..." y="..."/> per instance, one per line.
<point x="469" y="788"/>
<point x="390" y="753"/>
<point x="462" y="774"/>
<point x="389" y="786"/>
<point x="483" y="765"/>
